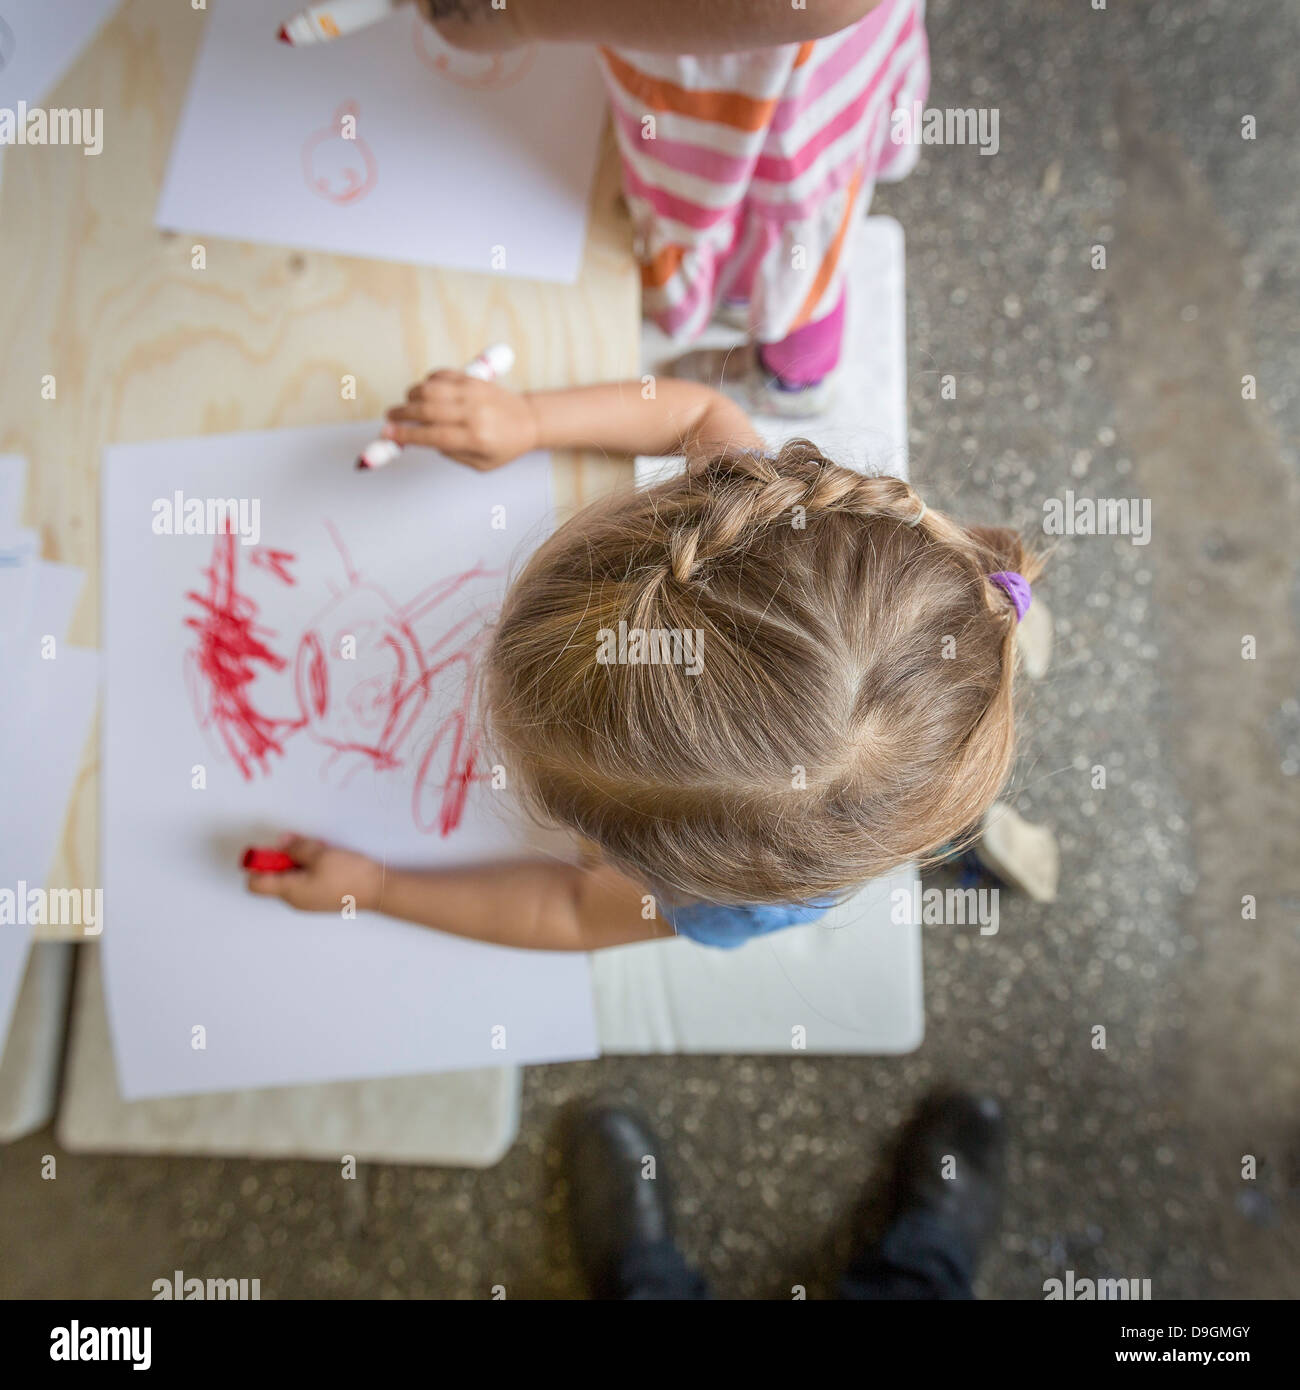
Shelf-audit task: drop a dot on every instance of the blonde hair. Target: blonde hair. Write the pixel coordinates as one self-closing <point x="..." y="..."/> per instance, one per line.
<point x="853" y="706"/>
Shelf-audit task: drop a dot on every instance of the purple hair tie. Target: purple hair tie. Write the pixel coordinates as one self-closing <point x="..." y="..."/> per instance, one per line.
<point x="1017" y="590"/>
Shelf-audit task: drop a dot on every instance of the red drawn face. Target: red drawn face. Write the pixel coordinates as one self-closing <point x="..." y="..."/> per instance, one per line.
<point x="337" y="163"/>
<point x="361" y="631"/>
<point x="480" y="71"/>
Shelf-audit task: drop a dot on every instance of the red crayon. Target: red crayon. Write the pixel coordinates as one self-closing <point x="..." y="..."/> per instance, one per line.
<point x="268" y="861"/>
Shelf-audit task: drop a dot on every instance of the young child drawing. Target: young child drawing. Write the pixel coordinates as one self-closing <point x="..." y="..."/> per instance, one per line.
<point x="843" y="705"/>
<point x="752" y="133"/>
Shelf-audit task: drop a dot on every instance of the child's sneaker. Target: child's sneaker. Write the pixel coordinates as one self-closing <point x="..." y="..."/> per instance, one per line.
<point x="738" y="373"/>
<point x="1034" y="639"/>
<point x="733" y="313"/>
<point x="1022" y="855"/>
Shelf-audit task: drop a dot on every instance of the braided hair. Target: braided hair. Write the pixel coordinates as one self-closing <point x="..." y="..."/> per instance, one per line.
<point x="847" y="707"/>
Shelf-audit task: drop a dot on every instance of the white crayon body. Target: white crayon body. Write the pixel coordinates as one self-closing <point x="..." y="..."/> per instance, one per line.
<point x="491" y="363"/>
<point x="379" y="454"/>
<point x="334" y="19"/>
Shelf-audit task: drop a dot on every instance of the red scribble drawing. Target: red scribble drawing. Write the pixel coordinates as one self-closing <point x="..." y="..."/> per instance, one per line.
<point x="337" y="163"/>
<point x="276" y="562"/>
<point x="364" y="679"/>
<point x="480" y="71"/>
<point x="222" y="666"/>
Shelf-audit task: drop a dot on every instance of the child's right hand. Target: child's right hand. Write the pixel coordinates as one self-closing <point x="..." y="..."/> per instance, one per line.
<point x="326" y="880"/>
<point x="474" y="422"/>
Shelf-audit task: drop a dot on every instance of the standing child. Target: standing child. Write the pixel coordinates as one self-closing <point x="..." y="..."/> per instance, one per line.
<point x="745" y="174"/>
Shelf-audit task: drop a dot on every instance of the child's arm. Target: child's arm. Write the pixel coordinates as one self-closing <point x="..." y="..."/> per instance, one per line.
<point x="533" y="904"/>
<point x="485" y="425"/>
<point x="667" y="26"/>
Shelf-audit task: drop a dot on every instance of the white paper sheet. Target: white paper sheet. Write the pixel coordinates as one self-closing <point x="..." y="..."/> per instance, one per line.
<point x="13" y="477"/>
<point x="46" y="706"/>
<point x="14" y="942"/>
<point x="39" y="757"/>
<point x="55" y="587"/>
<point x="462" y="160"/>
<point x="54" y="593"/>
<point x="39" y="42"/>
<point x="19" y="556"/>
<point x="312" y="742"/>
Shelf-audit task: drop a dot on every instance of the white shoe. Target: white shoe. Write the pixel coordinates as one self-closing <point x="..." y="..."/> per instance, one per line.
<point x="734" y="313"/>
<point x="1022" y="855"/>
<point x="1034" y="640"/>
<point x="737" y="373"/>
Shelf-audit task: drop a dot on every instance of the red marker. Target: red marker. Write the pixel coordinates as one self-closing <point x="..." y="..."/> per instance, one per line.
<point x="268" y="861"/>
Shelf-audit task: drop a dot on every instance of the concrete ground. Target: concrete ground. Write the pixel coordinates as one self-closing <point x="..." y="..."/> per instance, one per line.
<point x="1120" y="128"/>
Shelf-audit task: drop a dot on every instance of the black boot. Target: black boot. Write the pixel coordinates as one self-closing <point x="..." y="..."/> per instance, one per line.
<point x="970" y="1131"/>
<point x="945" y="1202"/>
<point x="621" y="1217"/>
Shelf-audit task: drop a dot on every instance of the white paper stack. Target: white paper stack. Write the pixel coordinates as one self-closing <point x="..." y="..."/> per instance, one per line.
<point x="47" y="699"/>
<point x="310" y="669"/>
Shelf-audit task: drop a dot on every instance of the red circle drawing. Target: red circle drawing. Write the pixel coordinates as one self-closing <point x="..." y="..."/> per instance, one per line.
<point x="337" y="163"/>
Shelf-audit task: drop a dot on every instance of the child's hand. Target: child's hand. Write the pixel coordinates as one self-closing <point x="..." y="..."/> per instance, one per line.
<point x="472" y="421"/>
<point x="326" y="878"/>
<point x="472" y="24"/>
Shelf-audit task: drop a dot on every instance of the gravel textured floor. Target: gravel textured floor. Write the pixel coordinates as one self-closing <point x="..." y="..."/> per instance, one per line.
<point x="1119" y="128"/>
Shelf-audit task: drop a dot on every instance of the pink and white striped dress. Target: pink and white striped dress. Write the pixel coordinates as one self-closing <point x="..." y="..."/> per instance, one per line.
<point x="744" y="172"/>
